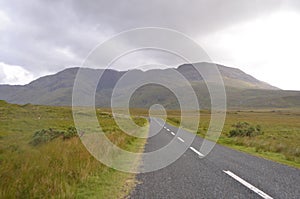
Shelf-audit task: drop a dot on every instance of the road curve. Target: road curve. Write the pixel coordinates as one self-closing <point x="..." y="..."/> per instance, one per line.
<point x="224" y="173"/>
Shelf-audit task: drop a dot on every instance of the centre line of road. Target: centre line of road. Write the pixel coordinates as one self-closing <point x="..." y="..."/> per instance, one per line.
<point x="168" y="129"/>
<point x="179" y="138"/>
<point x="248" y="185"/>
<point x="172" y="133"/>
<point x="193" y="149"/>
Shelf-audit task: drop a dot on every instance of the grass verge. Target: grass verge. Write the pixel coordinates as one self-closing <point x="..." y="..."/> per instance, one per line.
<point x="280" y="141"/>
<point x="60" y="168"/>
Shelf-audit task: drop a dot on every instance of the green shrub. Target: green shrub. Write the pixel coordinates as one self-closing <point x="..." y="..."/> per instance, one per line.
<point x="44" y="136"/>
<point x="244" y="129"/>
<point x="71" y="132"/>
<point x="103" y="114"/>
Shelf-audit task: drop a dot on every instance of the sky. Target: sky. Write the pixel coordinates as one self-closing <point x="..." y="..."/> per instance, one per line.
<point x="43" y="37"/>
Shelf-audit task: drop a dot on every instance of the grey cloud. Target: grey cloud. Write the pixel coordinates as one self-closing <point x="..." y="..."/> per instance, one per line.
<point x="39" y="29"/>
<point x="2" y="76"/>
<point x="187" y="16"/>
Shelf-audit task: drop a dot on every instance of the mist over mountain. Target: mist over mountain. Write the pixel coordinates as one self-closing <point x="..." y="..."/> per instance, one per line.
<point x="242" y="90"/>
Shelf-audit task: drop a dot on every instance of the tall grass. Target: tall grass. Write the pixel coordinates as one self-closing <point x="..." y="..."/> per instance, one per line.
<point x="53" y="169"/>
<point x="280" y="140"/>
<point x="61" y="168"/>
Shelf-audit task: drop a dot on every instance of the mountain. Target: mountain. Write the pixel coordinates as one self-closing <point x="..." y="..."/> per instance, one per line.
<point x="243" y="90"/>
<point x="232" y="77"/>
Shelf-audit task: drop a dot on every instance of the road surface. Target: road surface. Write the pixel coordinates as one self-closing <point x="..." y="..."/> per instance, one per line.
<point x="224" y="173"/>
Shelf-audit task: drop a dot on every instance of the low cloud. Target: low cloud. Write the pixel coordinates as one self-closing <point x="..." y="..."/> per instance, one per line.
<point x="11" y="74"/>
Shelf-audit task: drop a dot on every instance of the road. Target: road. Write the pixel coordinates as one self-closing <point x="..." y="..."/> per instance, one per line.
<point x="224" y="173"/>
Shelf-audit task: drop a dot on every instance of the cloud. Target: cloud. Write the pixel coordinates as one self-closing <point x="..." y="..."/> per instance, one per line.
<point x="48" y="36"/>
<point x="266" y="47"/>
<point x="11" y="74"/>
<point x="4" y="20"/>
<point x="41" y="27"/>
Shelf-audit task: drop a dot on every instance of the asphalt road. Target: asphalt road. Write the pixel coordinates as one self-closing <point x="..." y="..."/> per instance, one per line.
<point x="224" y="173"/>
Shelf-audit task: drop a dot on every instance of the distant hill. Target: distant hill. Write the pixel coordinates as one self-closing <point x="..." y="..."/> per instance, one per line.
<point x="243" y="90"/>
<point x="232" y="77"/>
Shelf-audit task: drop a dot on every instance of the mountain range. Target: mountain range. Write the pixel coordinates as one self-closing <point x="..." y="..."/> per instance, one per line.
<point x="242" y="90"/>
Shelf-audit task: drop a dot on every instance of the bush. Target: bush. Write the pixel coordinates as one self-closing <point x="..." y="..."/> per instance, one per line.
<point x="244" y="129"/>
<point x="45" y="135"/>
<point x="71" y="132"/>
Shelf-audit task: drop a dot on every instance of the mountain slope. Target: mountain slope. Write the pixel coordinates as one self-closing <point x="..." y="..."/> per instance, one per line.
<point x="232" y="77"/>
<point x="242" y="89"/>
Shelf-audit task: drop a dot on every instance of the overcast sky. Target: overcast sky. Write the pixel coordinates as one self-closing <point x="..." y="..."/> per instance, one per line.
<point x="261" y="37"/>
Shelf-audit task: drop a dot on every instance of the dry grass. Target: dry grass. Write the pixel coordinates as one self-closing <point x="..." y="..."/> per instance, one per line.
<point x="60" y="168"/>
<point x="281" y="133"/>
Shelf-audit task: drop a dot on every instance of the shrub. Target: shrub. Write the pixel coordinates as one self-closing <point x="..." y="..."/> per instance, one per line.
<point x="103" y="114"/>
<point x="244" y="129"/>
<point x="71" y="132"/>
<point x="45" y="135"/>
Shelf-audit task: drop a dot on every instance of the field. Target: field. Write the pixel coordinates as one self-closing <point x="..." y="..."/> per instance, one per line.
<point x="63" y="168"/>
<point x="279" y="142"/>
<point x="60" y="168"/>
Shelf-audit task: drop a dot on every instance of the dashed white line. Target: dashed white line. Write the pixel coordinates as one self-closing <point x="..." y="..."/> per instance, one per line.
<point x="248" y="185"/>
<point x="172" y="133"/>
<point x="168" y="129"/>
<point x="179" y="138"/>
<point x="193" y="149"/>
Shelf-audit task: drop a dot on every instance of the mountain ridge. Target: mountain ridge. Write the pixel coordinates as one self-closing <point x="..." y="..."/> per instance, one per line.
<point x="56" y="89"/>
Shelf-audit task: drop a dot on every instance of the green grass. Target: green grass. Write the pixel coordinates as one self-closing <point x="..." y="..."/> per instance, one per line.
<point x="64" y="168"/>
<point x="279" y="142"/>
<point x="61" y="168"/>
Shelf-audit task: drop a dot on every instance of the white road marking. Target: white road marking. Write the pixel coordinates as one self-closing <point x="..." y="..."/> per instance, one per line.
<point x="248" y="185"/>
<point x="179" y="138"/>
<point x="168" y="129"/>
<point x="193" y="149"/>
<point x="172" y="133"/>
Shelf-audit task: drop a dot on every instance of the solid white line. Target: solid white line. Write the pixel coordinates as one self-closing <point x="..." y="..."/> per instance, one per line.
<point x="172" y="133"/>
<point x="193" y="149"/>
<point x="179" y="138"/>
<point x="248" y="185"/>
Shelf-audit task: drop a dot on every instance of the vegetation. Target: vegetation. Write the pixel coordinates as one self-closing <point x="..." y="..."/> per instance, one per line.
<point x="47" y="135"/>
<point x="38" y="162"/>
<point x="242" y="129"/>
<point x="71" y="132"/>
<point x="280" y="140"/>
